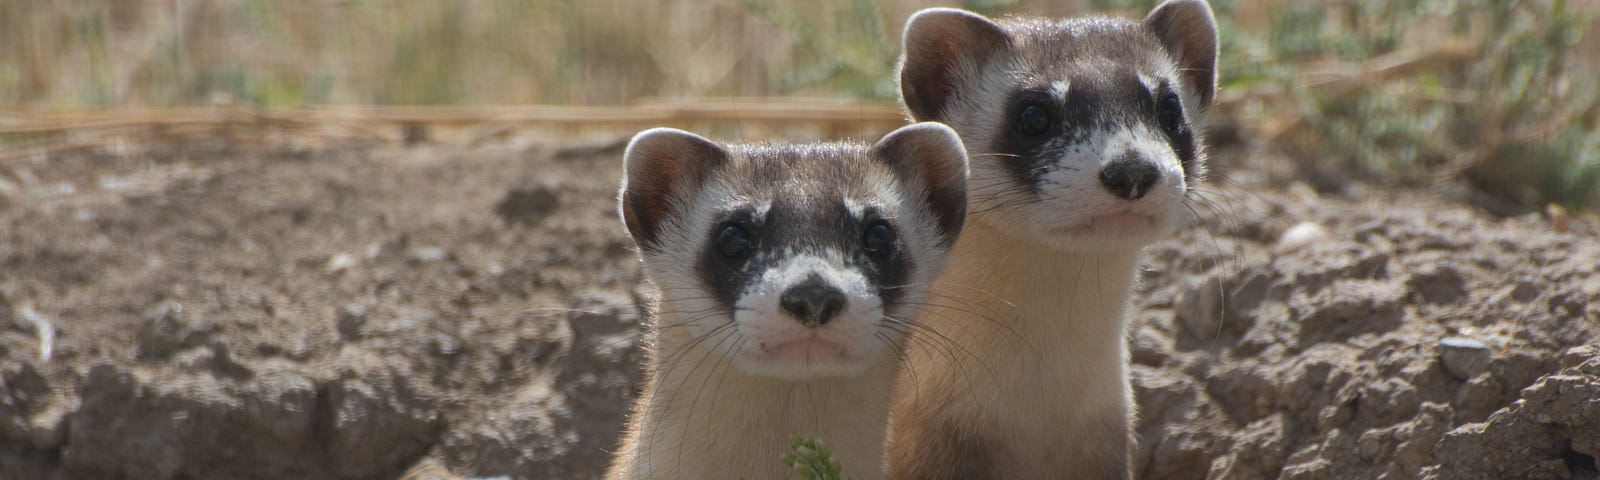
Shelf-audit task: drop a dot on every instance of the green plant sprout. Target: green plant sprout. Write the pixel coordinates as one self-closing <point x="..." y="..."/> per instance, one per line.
<point x="811" y="459"/>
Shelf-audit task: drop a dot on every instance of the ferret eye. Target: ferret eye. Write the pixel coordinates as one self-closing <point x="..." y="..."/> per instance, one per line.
<point x="1169" y="111"/>
<point x="733" y="241"/>
<point x="1034" y="120"/>
<point x="878" y="240"/>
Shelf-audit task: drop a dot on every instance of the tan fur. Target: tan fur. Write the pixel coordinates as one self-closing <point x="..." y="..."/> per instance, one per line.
<point x="430" y="469"/>
<point x="1049" y="356"/>
<point x="1027" y="376"/>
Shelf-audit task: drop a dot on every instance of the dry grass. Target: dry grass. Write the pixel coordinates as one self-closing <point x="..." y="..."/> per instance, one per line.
<point x="1494" y="92"/>
<point x="93" y="54"/>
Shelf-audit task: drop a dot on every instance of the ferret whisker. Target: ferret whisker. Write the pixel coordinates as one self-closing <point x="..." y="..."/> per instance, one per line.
<point x="996" y="154"/>
<point x="1222" y="290"/>
<point x="709" y="353"/>
<point x="932" y="308"/>
<point x="673" y="359"/>
<point x="946" y="347"/>
<point x="732" y="350"/>
<point x="915" y="327"/>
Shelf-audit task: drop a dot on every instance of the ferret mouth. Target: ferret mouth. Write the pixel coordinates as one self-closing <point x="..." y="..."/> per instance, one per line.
<point x="804" y="358"/>
<point x="1118" y="222"/>
<point x="811" y="350"/>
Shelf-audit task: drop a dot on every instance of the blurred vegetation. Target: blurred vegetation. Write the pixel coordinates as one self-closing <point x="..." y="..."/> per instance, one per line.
<point x="103" y="53"/>
<point x="1516" y="116"/>
<point x="1519" y="121"/>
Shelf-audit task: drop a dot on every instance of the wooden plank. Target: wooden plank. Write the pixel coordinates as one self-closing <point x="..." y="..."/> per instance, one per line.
<point x="740" y="110"/>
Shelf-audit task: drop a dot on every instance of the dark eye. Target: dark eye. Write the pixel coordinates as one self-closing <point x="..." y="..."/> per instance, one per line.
<point x="733" y="241"/>
<point x="878" y="240"/>
<point x="1034" y="120"/>
<point x="1169" y="111"/>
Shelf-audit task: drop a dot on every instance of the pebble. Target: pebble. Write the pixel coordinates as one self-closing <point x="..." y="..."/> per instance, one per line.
<point x="1463" y="357"/>
<point x="339" y="263"/>
<point x="1300" y="236"/>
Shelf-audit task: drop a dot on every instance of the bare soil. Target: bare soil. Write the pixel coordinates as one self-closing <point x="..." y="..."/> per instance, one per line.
<point x="348" y="311"/>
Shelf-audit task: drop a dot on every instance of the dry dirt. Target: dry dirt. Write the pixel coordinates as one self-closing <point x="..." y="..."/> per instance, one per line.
<point x="348" y="311"/>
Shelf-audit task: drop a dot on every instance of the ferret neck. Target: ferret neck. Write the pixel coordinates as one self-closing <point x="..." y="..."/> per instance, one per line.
<point x="703" y="418"/>
<point x="1033" y="290"/>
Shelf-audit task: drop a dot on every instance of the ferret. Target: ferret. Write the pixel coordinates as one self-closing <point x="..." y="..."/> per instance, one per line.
<point x="1085" y="139"/>
<point x="788" y="277"/>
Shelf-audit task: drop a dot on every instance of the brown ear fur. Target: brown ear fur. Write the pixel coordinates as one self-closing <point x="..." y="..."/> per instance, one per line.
<point x="931" y="154"/>
<point x="1189" y="32"/>
<point x="663" y="168"/>
<point x="935" y="43"/>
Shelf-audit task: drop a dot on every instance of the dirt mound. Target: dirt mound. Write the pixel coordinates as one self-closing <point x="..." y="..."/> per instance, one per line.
<point x="218" y="312"/>
<point x="332" y="314"/>
<point x="1404" y="337"/>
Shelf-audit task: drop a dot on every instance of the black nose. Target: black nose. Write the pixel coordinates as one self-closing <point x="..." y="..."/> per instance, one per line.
<point x="1129" y="177"/>
<point x="813" y="301"/>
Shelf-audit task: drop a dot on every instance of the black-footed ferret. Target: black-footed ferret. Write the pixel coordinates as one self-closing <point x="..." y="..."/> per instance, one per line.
<point x="1085" y="142"/>
<point x="788" y="276"/>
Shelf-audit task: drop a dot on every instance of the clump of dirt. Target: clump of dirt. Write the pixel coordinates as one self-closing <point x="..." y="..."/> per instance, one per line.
<point x="528" y="205"/>
<point x="348" y="312"/>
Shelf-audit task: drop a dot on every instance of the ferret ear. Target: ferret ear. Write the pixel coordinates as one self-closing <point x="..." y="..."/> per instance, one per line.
<point x="662" y="169"/>
<point x="1189" y="32"/>
<point x="930" y="155"/>
<point x="939" y="46"/>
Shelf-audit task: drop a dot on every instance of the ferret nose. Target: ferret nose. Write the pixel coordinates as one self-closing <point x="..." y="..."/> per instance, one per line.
<point x="1129" y="177"/>
<point x="813" y="301"/>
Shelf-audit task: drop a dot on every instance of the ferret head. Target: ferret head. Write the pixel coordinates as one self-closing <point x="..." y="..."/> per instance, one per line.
<point x="793" y="261"/>
<point x="1084" y="133"/>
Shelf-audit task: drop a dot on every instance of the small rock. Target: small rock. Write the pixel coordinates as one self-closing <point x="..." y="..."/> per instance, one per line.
<point x="1464" y="358"/>
<point x="339" y="263"/>
<point x="1300" y="236"/>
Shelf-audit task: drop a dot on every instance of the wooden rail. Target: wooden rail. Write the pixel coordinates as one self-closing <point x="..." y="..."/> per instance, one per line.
<point x="23" y="122"/>
<point x="34" y="132"/>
